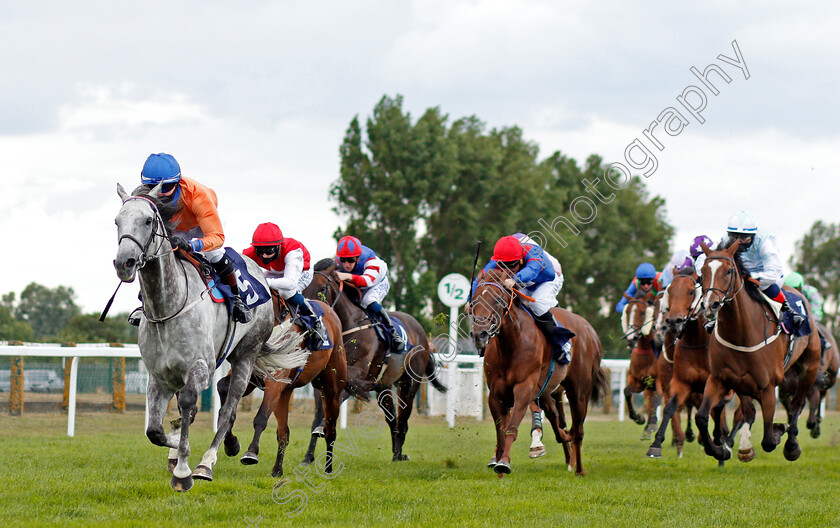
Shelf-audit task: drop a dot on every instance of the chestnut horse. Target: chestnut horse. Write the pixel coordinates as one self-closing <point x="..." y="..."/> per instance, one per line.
<point x="637" y="323"/>
<point x="369" y="367"/>
<point x="826" y="377"/>
<point x="518" y="368"/>
<point x="747" y="354"/>
<point x="326" y="369"/>
<point x="688" y="356"/>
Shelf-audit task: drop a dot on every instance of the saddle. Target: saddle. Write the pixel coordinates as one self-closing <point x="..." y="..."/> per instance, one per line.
<point x="785" y="319"/>
<point x="304" y="322"/>
<point x="385" y="336"/>
<point x="251" y="291"/>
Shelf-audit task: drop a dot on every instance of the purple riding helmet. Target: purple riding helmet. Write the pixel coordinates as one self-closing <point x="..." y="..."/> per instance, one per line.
<point x="696" y="250"/>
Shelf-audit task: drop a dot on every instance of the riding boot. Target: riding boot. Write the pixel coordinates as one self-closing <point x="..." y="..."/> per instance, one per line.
<point x="560" y="353"/>
<point x="227" y="273"/>
<point x="797" y="318"/>
<point x="396" y="338"/>
<point x="304" y="308"/>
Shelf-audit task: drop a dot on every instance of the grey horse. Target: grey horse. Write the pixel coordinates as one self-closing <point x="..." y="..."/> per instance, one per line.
<point x="183" y="333"/>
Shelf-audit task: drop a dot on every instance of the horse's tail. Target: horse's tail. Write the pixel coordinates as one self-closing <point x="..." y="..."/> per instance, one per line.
<point x="600" y="383"/>
<point x="431" y="374"/>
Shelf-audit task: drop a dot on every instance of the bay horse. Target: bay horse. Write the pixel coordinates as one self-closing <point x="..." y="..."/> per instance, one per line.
<point x="369" y="365"/>
<point x="183" y="333"/>
<point x="747" y="354"/>
<point x="826" y="378"/>
<point x="637" y="323"/>
<point x="326" y="369"/>
<point x="518" y="370"/>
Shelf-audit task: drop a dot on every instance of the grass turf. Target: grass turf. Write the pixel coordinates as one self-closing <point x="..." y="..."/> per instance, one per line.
<point x="110" y="475"/>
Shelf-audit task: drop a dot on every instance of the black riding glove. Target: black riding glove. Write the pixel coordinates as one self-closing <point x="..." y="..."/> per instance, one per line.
<point x="181" y="243"/>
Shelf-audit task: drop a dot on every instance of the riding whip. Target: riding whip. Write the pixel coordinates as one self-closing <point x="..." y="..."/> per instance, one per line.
<point x="475" y="263"/>
<point x="108" y="306"/>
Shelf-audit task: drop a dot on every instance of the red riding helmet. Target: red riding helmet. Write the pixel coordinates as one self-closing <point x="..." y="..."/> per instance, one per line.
<point x="267" y="234"/>
<point x="508" y="249"/>
<point x="349" y="247"/>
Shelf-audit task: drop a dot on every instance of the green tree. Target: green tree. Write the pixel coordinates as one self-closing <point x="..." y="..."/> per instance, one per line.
<point x="422" y="193"/>
<point x="12" y="329"/>
<point x="817" y="258"/>
<point x="46" y="310"/>
<point x="86" y="328"/>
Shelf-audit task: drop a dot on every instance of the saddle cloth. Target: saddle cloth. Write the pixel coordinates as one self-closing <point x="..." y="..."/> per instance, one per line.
<point x="786" y="319"/>
<point x="308" y="322"/>
<point x="251" y="291"/>
<point x="385" y="336"/>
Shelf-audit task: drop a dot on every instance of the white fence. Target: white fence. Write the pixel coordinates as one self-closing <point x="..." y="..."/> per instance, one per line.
<point x="464" y="398"/>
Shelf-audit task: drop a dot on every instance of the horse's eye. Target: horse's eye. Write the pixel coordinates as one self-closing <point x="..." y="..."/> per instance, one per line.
<point x="148" y="221"/>
<point x="730" y="271"/>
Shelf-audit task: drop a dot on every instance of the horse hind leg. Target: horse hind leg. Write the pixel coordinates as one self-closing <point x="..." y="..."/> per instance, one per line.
<point x="408" y="388"/>
<point x="385" y="398"/>
<point x="670" y="411"/>
<point x="269" y="402"/>
<point x="628" y="398"/>
<point x="281" y="413"/>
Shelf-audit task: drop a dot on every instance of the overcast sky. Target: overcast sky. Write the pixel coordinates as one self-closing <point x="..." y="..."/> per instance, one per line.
<point x="253" y="99"/>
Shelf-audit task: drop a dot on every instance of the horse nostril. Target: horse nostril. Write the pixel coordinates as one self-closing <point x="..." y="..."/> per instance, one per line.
<point x="129" y="263"/>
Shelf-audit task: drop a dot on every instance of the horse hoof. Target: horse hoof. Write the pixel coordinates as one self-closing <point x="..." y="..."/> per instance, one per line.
<point x="689" y="436"/>
<point x="171" y="465"/>
<point x="249" y="459"/>
<point x="645" y="436"/>
<point x="746" y="455"/>
<point x="502" y="468"/>
<point x="203" y="473"/>
<point x="655" y="452"/>
<point x="181" y="484"/>
<point x="639" y="420"/>
<point x="277" y="472"/>
<point x="307" y="461"/>
<point x="492" y="463"/>
<point x="815" y="432"/>
<point x="792" y="454"/>
<point x="536" y="452"/>
<point x="727" y="452"/>
<point x="400" y="458"/>
<point x="318" y="431"/>
<point x="232" y="449"/>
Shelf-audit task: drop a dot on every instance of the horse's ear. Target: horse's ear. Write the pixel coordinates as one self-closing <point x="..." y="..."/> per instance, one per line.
<point x="121" y="192"/>
<point x="675" y="271"/>
<point x="627" y="296"/>
<point x="734" y="247"/>
<point x="155" y="192"/>
<point x="705" y="248"/>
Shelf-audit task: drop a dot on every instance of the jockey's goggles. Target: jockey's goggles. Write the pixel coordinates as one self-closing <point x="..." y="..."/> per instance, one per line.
<point x="510" y="265"/>
<point x="645" y="282"/>
<point x="348" y="259"/>
<point x="743" y="236"/>
<point x="167" y="188"/>
<point x="265" y="251"/>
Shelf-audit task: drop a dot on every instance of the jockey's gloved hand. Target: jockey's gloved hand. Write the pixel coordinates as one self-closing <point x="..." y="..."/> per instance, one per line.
<point x="181" y="243"/>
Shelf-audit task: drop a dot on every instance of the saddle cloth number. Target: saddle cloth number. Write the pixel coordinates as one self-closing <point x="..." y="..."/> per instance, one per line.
<point x="246" y="290"/>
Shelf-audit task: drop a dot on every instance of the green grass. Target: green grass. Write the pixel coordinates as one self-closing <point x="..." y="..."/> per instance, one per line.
<point x="110" y="475"/>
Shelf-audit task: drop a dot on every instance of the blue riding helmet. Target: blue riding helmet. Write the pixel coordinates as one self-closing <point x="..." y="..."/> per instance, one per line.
<point x="645" y="271"/>
<point x="160" y="168"/>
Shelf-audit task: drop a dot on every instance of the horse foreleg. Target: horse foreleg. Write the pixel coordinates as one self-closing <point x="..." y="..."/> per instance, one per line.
<point x="522" y="395"/>
<point x="408" y="388"/>
<point x="281" y="413"/>
<point x="628" y="398"/>
<point x="317" y="429"/>
<point x="671" y="411"/>
<point x="196" y="379"/>
<point x="333" y="385"/>
<point x="271" y="395"/>
<point x="499" y="411"/>
<point x="157" y="399"/>
<point x="814" y="401"/>
<point x="689" y="431"/>
<point x="712" y="395"/>
<point x="772" y="432"/>
<point x="746" y="410"/>
<point x="650" y="408"/>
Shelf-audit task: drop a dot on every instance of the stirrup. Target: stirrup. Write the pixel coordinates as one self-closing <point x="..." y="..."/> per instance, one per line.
<point x="241" y="312"/>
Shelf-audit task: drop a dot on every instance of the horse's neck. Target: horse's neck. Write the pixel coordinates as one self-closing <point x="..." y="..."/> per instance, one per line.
<point x="510" y="332"/>
<point x="348" y="312"/>
<point x="162" y="285"/>
<point x="742" y="321"/>
<point x="645" y="341"/>
<point x="694" y="334"/>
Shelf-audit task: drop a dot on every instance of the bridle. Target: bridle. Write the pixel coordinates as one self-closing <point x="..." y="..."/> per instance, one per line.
<point x="331" y="281"/>
<point x="726" y="293"/>
<point x="633" y="328"/>
<point x="158" y="231"/>
<point x="693" y="310"/>
<point x="494" y="331"/>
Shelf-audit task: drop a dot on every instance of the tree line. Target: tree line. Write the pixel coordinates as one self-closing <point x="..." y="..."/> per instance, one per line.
<point x="50" y="315"/>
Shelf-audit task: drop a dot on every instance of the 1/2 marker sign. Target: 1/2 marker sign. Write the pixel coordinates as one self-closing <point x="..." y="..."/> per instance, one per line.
<point x="453" y="290"/>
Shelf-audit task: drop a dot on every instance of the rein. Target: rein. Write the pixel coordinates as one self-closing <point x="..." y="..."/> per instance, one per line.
<point x="340" y="289"/>
<point x="634" y="328"/>
<point x="495" y="331"/>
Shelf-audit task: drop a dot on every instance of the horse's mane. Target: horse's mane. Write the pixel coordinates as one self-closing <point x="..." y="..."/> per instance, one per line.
<point x="323" y="264"/>
<point x="167" y="210"/>
<point x="752" y="288"/>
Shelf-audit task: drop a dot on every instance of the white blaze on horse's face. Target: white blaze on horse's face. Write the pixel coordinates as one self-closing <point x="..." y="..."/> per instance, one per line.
<point x="713" y="265"/>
